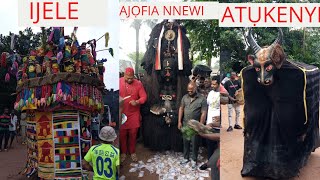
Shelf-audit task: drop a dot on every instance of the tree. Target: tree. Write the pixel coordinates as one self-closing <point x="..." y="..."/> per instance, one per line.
<point x="24" y="41"/>
<point x="203" y="36"/>
<point x="133" y="56"/>
<point x="136" y="24"/>
<point x="299" y="45"/>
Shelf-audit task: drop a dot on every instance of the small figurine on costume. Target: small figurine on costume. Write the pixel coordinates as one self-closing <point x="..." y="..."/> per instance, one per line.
<point x="69" y="66"/>
<point x="38" y="69"/>
<point x="40" y="55"/>
<point x="55" y="65"/>
<point x="84" y="59"/>
<point x="19" y="76"/>
<point x="76" y="58"/>
<point x="31" y="69"/>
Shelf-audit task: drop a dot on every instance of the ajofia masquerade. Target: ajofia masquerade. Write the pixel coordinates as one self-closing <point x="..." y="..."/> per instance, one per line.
<point x="267" y="59"/>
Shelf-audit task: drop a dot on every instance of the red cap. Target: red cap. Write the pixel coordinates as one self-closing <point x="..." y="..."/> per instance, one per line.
<point x="129" y="71"/>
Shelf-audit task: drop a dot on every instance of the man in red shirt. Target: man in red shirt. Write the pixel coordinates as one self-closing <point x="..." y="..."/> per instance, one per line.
<point x="133" y="93"/>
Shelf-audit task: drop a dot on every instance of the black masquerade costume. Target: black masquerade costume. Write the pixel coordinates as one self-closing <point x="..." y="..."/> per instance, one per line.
<point x="168" y="66"/>
<point x="281" y="119"/>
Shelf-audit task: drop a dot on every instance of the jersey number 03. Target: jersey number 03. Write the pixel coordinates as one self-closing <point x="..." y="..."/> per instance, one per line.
<point x="101" y="169"/>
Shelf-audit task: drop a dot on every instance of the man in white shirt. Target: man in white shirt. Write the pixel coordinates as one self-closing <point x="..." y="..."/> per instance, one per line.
<point x="13" y="127"/>
<point x="213" y="101"/>
<point x="23" y="125"/>
<point x="213" y="116"/>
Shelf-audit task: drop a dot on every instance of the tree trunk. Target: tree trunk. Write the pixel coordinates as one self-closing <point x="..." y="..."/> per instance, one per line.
<point x="209" y="62"/>
<point x="137" y="50"/>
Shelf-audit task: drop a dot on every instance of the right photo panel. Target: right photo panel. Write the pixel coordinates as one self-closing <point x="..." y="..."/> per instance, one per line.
<point x="270" y="103"/>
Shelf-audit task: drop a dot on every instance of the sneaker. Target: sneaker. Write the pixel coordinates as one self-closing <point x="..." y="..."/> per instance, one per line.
<point x="193" y="164"/>
<point x="123" y="157"/>
<point x="184" y="161"/>
<point x="229" y="129"/>
<point x="134" y="157"/>
<point x="203" y="166"/>
<point x="237" y="126"/>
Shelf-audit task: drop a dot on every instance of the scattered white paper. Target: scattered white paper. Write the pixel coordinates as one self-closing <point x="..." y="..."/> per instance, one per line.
<point x="141" y="173"/>
<point x="167" y="166"/>
<point x="133" y="164"/>
<point x="204" y="174"/>
<point x="133" y="170"/>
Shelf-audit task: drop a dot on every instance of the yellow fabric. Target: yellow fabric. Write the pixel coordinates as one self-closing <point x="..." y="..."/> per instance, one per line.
<point x="104" y="159"/>
<point x="305" y="87"/>
<point x="106" y="36"/>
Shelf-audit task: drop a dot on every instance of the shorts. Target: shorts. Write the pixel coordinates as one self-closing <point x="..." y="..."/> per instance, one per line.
<point x="13" y="133"/>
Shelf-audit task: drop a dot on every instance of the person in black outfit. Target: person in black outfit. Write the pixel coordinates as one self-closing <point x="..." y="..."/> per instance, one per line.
<point x="232" y="86"/>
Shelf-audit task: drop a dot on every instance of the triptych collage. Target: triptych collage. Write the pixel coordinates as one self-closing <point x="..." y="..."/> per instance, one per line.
<point x="167" y="99"/>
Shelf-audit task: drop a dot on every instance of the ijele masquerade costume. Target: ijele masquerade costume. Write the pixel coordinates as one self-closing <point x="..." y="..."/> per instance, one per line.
<point x="58" y="102"/>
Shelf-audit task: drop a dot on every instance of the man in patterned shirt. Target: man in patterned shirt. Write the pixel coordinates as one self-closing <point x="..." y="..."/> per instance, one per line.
<point x="4" y="129"/>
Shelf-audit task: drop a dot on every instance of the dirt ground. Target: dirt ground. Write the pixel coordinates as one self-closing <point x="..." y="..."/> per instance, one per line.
<point x="143" y="155"/>
<point x="13" y="161"/>
<point x="232" y="153"/>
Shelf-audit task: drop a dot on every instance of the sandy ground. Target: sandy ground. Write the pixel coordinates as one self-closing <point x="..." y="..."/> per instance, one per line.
<point x="232" y="153"/>
<point x="13" y="161"/>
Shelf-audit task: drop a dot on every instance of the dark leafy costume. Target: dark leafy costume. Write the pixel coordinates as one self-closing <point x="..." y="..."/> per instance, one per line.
<point x="165" y="83"/>
<point x="281" y="120"/>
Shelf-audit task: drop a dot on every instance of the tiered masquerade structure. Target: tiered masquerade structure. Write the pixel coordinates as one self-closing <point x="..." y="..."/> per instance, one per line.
<point x="168" y="66"/>
<point x="59" y="85"/>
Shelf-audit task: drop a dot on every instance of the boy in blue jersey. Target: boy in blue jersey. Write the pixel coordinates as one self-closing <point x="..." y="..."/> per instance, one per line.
<point x="103" y="159"/>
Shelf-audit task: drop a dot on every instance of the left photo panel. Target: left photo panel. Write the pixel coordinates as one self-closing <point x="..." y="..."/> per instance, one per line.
<point x="59" y="100"/>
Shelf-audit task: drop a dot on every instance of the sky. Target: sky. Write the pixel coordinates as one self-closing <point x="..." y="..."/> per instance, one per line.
<point x="9" y="23"/>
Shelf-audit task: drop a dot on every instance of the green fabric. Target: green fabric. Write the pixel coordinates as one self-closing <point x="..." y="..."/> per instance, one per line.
<point x="5" y="120"/>
<point x="104" y="159"/>
<point x="192" y="110"/>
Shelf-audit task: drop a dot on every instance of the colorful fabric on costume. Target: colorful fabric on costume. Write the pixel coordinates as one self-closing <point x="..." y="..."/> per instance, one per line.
<point x="32" y="145"/>
<point x="66" y="144"/>
<point x="85" y="135"/>
<point x="45" y="145"/>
